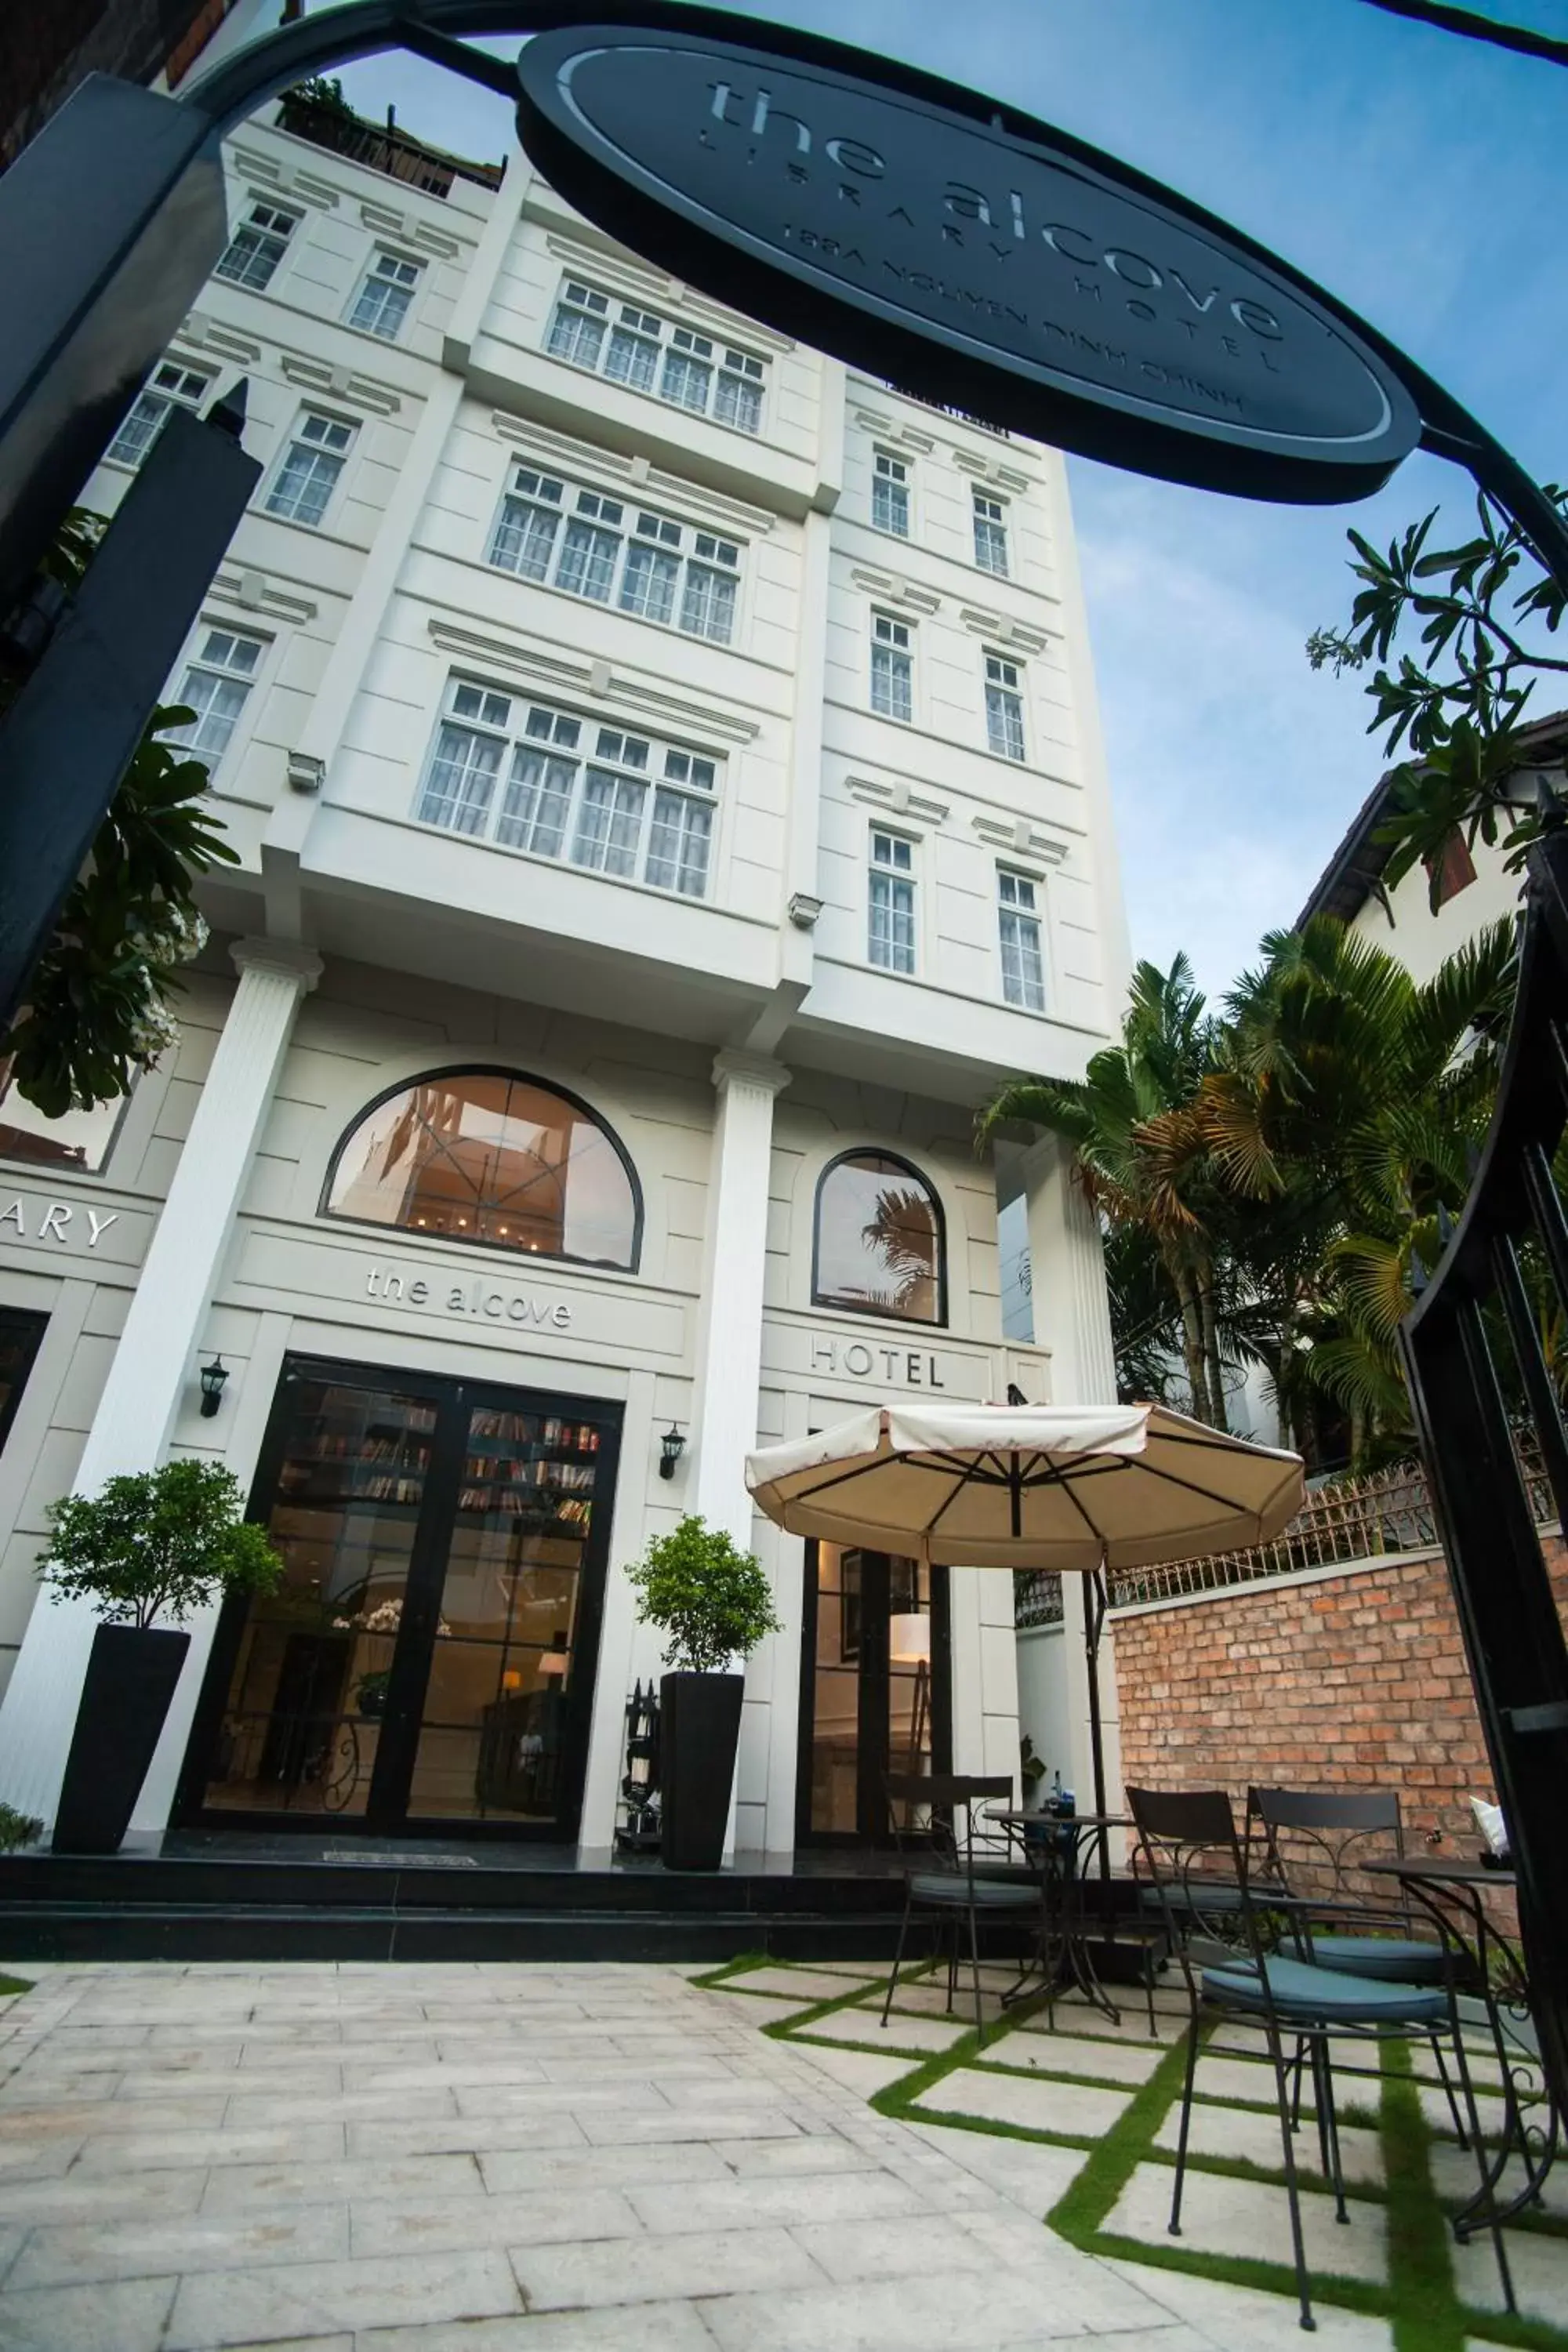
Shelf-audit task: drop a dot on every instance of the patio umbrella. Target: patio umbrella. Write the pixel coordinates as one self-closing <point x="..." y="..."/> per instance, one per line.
<point x="1084" y="1489"/>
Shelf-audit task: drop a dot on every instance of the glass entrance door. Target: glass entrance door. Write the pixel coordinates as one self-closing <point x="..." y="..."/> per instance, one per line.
<point x="874" y="1688"/>
<point x="428" y="1659"/>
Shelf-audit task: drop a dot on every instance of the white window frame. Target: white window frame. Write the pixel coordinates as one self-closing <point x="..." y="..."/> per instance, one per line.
<point x="890" y="874"/>
<point x="386" y="273"/>
<point x="264" y="233"/>
<point x="1020" y="909"/>
<point x="892" y="659"/>
<point x="545" y="784"/>
<point x="1006" y="735"/>
<point x="299" y="436"/>
<point x="893" y="493"/>
<point x="604" y="334"/>
<point x="990" y="521"/>
<point x="211" y="657"/>
<point x="172" y="384"/>
<point x="662" y="571"/>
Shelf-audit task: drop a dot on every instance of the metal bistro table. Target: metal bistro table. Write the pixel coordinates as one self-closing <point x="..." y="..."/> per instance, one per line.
<point x="1055" y="1846"/>
<point x="1452" y="1894"/>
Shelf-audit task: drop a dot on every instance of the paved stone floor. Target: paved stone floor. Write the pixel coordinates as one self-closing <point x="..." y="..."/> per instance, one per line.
<point x="497" y="2158"/>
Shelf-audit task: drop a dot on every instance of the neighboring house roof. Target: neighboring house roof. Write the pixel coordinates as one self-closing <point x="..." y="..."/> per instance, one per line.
<point x="1355" y="869"/>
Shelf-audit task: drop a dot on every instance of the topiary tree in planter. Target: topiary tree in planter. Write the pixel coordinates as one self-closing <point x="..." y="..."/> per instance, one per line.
<point x="152" y="1544"/>
<point x="714" y="1602"/>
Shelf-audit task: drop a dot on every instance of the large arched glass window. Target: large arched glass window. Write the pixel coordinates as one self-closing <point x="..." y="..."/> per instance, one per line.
<point x="487" y="1156"/>
<point x="880" y="1247"/>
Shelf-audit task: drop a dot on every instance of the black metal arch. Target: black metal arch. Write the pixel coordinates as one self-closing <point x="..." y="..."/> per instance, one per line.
<point x="114" y="223"/>
<point x="1471" y="1344"/>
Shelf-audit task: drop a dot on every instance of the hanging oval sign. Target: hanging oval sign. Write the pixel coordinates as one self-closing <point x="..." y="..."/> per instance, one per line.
<point x="973" y="258"/>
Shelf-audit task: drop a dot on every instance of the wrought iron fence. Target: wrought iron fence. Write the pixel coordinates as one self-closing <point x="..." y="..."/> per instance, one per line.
<point x="1352" y="1519"/>
<point x="1037" y="1597"/>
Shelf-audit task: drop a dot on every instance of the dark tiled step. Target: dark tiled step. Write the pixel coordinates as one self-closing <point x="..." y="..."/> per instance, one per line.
<point x="189" y="1884"/>
<point x="146" y="1931"/>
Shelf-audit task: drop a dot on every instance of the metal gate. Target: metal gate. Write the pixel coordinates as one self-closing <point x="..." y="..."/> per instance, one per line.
<point x="1477" y="1372"/>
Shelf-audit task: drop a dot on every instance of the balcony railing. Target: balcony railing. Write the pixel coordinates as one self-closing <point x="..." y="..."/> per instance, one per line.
<point x="964" y="415"/>
<point x="379" y="149"/>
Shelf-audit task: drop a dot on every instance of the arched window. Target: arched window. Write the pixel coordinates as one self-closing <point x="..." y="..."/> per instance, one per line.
<point x="479" y="1155"/>
<point x="880" y="1247"/>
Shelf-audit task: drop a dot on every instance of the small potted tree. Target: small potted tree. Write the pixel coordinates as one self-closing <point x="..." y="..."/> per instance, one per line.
<point x="714" y="1602"/>
<point x="156" y="1544"/>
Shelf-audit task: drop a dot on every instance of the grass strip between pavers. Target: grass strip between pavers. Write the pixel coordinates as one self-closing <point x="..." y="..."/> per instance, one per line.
<point x="1420" y="2298"/>
<point x="1427" y="2315"/>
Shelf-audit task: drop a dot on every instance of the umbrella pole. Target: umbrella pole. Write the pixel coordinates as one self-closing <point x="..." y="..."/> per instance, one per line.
<point x="1094" y="1603"/>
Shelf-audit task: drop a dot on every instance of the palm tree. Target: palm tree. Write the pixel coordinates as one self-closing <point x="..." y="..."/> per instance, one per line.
<point x="1347" y="1106"/>
<point x="1138" y="1154"/>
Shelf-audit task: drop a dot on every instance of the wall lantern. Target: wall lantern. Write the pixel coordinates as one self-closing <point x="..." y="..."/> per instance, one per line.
<point x="671" y="1446"/>
<point x="213" y="1375"/>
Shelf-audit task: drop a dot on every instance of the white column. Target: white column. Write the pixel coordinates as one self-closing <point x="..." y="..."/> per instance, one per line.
<point x="152" y="1362"/>
<point x="1072" y="1317"/>
<point x="729" y="1354"/>
<point x="730" y="1340"/>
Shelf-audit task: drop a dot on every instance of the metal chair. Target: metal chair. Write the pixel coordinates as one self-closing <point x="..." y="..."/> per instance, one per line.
<point x="947" y="1879"/>
<point x="1321" y="1834"/>
<point x="1189" y="1848"/>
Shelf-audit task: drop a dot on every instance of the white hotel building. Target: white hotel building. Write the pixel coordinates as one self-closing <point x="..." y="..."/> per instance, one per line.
<point x="665" y="777"/>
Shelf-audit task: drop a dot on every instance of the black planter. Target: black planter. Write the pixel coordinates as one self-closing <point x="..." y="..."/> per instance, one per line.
<point x="698" y="1733"/>
<point x="130" y="1679"/>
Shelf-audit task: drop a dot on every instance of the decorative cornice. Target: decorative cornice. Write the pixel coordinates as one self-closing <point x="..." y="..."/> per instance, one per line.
<point x="1022" y="837"/>
<point x="290" y="179"/>
<point x="899" y="799"/>
<point x="339" y="383"/>
<point x="981" y="467"/>
<point x="254" y="592"/>
<point x="385" y="220"/>
<point x="1000" y="629"/>
<point x="889" y="588"/>
<point x="890" y="428"/>
<point x="619" y="274"/>
<point x="199" y="333"/>
<point x="589" y="458"/>
<point x="627" y="692"/>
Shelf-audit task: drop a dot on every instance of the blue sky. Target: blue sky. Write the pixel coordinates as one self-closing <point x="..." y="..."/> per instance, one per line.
<point x="1421" y="177"/>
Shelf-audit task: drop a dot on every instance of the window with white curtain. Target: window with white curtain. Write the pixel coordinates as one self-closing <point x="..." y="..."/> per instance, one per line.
<point x="385" y="293"/>
<point x="629" y="345"/>
<point x="890" y="902"/>
<point x="892" y="668"/>
<point x="614" y="552"/>
<point x="990" y="534"/>
<point x="216" y="686"/>
<point x="890" y="494"/>
<point x="258" y="246"/>
<point x="313" y="464"/>
<point x="1022" y="956"/>
<point x="170" y="385"/>
<point x="1003" y="706"/>
<point x="526" y="776"/>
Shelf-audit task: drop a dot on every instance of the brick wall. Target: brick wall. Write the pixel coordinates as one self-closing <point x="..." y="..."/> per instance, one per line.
<point x="1359" y="1677"/>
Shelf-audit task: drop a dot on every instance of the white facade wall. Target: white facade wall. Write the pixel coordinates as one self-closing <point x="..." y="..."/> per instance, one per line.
<point x="438" y="948"/>
<point x="1407" y="928"/>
